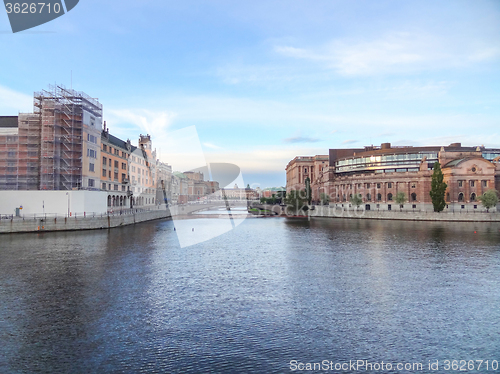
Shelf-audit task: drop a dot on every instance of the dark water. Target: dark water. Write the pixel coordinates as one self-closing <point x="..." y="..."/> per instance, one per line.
<point x="271" y="291"/>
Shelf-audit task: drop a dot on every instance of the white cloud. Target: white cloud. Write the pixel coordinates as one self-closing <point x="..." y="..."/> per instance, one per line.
<point x="394" y="53"/>
<point x="13" y="102"/>
<point x="149" y="121"/>
<point x="210" y="145"/>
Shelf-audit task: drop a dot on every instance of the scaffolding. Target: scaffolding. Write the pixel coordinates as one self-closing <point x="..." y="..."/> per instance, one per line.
<point x="61" y="111"/>
<point x="28" y="171"/>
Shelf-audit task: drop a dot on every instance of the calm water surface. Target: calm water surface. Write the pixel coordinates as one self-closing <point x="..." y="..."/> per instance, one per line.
<point x="130" y="300"/>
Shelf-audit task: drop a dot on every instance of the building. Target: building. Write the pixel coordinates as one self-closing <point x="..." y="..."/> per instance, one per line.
<point x="115" y="177"/>
<point x="57" y="147"/>
<point x="143" y="173"/>
<point x="313" y="167"/>
<point x="378" y="174"/>
<point x="163" y="182"/>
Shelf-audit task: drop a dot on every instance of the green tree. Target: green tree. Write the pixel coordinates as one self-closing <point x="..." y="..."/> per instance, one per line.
<point x="438" y="188"/>
<point x="356" y="200"/>
<point x="325" y="199"/>
<point x="400" y="199"/>
<point x="308" y="190"/>
<point x="489" y="199"/>
<point x="295" y="202"/>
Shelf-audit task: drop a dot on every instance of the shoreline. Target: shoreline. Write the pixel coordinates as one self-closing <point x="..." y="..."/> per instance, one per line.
<point x="37" y="225"/>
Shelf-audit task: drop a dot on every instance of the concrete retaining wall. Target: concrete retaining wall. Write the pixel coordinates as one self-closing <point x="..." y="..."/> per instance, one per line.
<point x="79" y="223"/>
<point x="338" y="212"/>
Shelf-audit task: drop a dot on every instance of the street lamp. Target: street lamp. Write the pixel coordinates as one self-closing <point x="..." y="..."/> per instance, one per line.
<point x="67" y="194"/>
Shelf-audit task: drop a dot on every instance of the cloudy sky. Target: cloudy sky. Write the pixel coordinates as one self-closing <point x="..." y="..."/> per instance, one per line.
<point x="264" y="81"/>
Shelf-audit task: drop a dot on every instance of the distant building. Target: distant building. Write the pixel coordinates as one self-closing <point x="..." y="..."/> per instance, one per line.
<point x="377" y="174"/>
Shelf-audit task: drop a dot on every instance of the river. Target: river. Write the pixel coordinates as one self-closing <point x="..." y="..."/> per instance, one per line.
<point x="266" y="297"/>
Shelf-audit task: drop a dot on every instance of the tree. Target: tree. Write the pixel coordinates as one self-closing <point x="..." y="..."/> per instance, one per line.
<point x="325" y="199"/>
<point x="308" y="190"/>
<point x="489" y="199"/>
<point x="295" y="202"/>
<point x="356" y="200"/>
<point x="400" y="199"/>
<point x="438" y="188"/>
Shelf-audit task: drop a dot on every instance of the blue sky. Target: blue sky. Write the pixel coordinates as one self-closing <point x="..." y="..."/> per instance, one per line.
<point x="264" y="81"/>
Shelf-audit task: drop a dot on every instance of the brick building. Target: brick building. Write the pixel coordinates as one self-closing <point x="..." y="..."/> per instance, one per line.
<point x="377" y="174"/>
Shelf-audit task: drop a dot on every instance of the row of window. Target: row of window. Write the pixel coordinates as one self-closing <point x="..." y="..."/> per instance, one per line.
<point x="390" y="197"/>
<point x="115" y="151"/>
<point x="472" y="183"/>
<point x="105" y="160"/>
<point x="368" y="185"/>
<point x="110" y="187"/>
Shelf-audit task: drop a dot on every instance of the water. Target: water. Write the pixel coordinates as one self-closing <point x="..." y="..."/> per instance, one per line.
<point x="270" y="291"/>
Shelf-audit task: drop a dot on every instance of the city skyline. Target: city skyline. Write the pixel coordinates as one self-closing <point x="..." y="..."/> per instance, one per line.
<point x="264" y="82"/>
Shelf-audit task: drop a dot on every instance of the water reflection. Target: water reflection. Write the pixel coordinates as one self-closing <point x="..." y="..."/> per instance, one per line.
<point x="251" y="300"/>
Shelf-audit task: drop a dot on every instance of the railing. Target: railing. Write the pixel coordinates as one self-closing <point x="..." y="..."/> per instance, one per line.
<point x="82" y="215"/>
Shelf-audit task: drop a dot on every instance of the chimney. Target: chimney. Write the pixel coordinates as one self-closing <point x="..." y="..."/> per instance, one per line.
<point x="385" y="145"/>
<point x="104" y="125"/>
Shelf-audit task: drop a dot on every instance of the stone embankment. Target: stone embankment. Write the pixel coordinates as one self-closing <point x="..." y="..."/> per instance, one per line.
<point x="338" y="212"/>
<point x="38" y="224"/>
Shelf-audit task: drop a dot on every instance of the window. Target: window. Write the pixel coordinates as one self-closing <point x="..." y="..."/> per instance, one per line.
<point x="91" y="153"/>
<point x="413" y="185"/>
<point x="475" y="206"/>
<point x="460" y="197"/>
<point x="91" y="138"/>
<point x="104" y="161"/>
<point x="110" y="150"/>
<point x="485" y="183"/>
<point x="472" y="183"/>
<point x="123" y="188"/>
<point x="116" y="164"/>
<point x="104" y="147"/>
<point x="124" y="166"/>
<point x="389" y="196"/>
<point x="104" y="172"/>
<point x="115" y="187"/>
<point x="124" y="155"/>
<point x="378" y="185"/>
<point x="473" y="197"/>
<point x="91" y="167"/>
<point x="305" y="170"/>
<point x="368" y="185"/>
<point x="109" y="174"/>
<point x="133" y="169"/>
<point x="123" y="177"/>
<point x="103" y="186"/>
<point x="116" y="176"/>
<point x="117" y="152"/>
<point x="460" y="183"/>
<point x="389" y="184"/>
<point x="379" y="197"/>
<point x="91" y="183"/>
<point x="389" y="207"/>
<point x="414" y="197"/>
<point x="368" y="197"/>
<point x="109" y="162"/>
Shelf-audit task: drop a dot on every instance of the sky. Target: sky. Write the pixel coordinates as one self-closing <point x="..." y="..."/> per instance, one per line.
<point x="265" y="81"/>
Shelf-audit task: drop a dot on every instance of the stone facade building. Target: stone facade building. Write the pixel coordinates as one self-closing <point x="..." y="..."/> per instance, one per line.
<point x="378" y="174"/>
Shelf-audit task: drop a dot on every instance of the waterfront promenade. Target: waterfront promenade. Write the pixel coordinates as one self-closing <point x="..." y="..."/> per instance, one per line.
<point x="407" y="215"/>
<point x="91" y="221"/>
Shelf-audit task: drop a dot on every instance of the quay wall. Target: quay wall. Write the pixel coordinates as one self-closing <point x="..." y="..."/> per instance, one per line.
<point x="17" y="224"/>
<point x="338" y="212"/>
